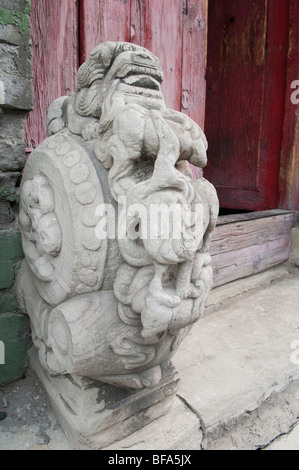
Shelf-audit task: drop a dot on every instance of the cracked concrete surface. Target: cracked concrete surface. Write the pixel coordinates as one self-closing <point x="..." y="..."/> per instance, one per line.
<point x="237" y="368"/>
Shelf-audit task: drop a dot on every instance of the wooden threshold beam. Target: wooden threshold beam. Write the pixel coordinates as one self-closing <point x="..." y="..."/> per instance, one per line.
<point x="246" y="244"/>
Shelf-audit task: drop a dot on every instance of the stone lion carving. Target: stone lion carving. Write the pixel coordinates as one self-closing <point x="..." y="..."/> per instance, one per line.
<point x="115" y="308"/>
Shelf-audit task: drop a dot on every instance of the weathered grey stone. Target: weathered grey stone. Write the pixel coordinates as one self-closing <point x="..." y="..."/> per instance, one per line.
<point x="16" y="93"/>
<point x="15" y="56"/>
<point x="111" y="283"/>
<point x="178" y="430"/>
<point x="244" y="381"/>
<point x="16" y="5"/>
<point x="94" y="414"/>
<point x="6" y="214"/>
<point x="15" y="61"/>
<point x="287" y="441"/>
<point x="12" y="141"/>
<point x="8" y="189"/>
<point x="15" y="22"/>
<point x="8" y="197"/>
<point x="276" y="412"/>
<point x="10" y="34"/>
<point x="12" y="155"/>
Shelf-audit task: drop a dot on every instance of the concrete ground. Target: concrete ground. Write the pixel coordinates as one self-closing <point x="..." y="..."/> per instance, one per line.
<point x="239" y="387"/>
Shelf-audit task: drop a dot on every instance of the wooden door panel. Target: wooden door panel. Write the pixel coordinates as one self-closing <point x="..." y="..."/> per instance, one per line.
<point x="102" y="21"/>
<point x="289" y="169"/>
<point x="235" y="79"/>
<point x="193" y="98"/>
<point x="274" y="99"/>
<point x="158" y="27"/>
<point x="54" y="59"/>
<point x="247" y="44"/>
<point x="65" y="32"/>
<point x="177" y="35"/>
<point x="150" y="23"/>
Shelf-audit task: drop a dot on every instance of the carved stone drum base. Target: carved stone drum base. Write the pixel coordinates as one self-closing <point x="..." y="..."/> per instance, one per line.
<point x="93" y="415"/>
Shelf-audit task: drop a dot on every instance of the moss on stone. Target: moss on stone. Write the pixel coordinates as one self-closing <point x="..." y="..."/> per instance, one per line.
<point x="17" y="18"/>
<point x="7" y="195"/>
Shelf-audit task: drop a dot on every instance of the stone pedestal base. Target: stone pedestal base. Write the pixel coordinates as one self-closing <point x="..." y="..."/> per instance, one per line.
<point x="93" y="415"/>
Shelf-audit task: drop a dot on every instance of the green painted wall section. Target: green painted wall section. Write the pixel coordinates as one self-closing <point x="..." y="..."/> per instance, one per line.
<point x="13" y="346"/>
<point x="14" y="327"/>
<point x="10" y="254"/>
<point x="10" y="245"/>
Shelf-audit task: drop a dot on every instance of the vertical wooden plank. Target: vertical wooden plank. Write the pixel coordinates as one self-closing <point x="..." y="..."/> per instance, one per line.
<point x="235" y="91"/>
<point x="138" y="23"/>
<point x="194" y="57"/>
<point x="89" y="27"/>
<point x="102" y="20"/>
<point x="289" y="170"/>
<point x="54" y="59"/>
<point x="158" y="26"/>
<point x="194" y="61"/>
<point x="274" y="97"/>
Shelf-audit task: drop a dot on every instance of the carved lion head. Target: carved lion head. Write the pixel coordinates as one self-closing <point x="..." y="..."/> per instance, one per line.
<point x="127" y="68"/>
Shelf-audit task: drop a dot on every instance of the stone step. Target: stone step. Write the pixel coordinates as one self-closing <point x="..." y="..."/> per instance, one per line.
<point x="239" y="385"/>
<point x="240" y="375"/>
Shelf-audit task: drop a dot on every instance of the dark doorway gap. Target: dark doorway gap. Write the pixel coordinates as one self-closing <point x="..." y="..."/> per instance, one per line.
<point x="227" y="211"/>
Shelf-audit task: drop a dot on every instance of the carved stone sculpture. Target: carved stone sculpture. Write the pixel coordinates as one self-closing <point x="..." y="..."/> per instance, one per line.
<point x="115" y="231"/>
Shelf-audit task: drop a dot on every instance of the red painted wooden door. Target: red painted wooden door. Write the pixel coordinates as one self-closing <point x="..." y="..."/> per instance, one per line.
<point x="55" y="59"/>
<point x="251" y="123"/>
<point x="65" y="31"/>
<point x="289" y="165"/>
<point x="175" y="31"/>
<point x="246" y="90"/>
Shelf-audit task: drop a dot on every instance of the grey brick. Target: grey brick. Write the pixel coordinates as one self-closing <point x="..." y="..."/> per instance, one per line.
<point x="15" y="60"/>
<point x="16" y="93"/>
<point x="12" y="141"/>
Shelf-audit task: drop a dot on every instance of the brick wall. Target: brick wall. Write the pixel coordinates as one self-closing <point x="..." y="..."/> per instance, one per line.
<point x="15" y="102"/>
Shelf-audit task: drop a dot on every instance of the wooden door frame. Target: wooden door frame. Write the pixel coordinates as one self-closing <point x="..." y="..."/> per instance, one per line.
<point x="289" y="161"/>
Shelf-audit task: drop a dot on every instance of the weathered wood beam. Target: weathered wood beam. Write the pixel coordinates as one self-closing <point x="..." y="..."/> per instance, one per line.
<point x="245" y="244"/>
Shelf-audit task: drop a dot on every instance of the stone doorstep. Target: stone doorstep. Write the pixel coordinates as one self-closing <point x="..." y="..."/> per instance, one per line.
<point x="94" y="415"/>
<point x="240" y="371"/>
<point x="240" y="376"/>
